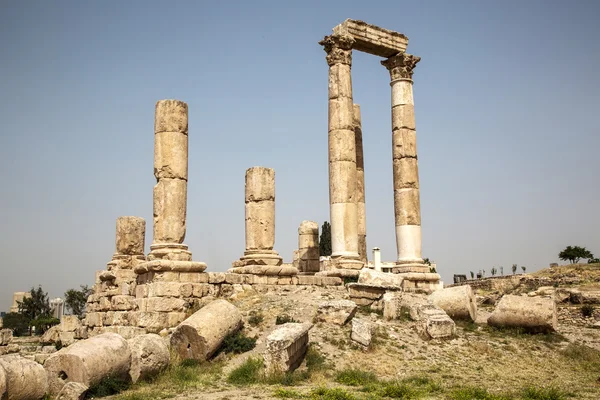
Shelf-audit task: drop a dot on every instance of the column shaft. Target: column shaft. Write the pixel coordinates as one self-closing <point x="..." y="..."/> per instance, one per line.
<point x="407" y="205"/>
<point x="171" y="172"/>
<point x="360" y="186"/>
<point x="342" y="151"/>
<point x="308" y="247"/>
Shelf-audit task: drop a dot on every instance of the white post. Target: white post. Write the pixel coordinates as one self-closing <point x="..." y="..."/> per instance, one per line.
<point x="377" y="259"/>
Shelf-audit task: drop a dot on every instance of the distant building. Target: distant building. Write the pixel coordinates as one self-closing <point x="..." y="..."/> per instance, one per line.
<point x="459" y="278"/>
<point x="17" y="298"/>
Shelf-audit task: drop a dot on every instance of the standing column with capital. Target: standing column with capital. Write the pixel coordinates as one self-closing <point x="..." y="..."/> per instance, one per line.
<point x="407" y="205"/>
<point x="360" y="186"/>
<point x="342" y="154"/>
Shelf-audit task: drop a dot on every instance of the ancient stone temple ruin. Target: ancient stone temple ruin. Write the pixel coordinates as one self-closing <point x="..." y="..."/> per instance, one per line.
<point x="346" y="166"/>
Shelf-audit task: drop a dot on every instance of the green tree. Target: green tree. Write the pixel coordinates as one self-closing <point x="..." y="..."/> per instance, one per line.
<point x="493" y="271"/>
<point x="574" y="253"/>
<point x="17" y="322"/>
<point x="514" y="268"/>
<point x="75" y="299"/>
<point x="501" y="270"/>
<point x="325" y="240"/>
<point x="524" y="268"/>
<point x="472" y="274"/>
<point x="35" y="306"/>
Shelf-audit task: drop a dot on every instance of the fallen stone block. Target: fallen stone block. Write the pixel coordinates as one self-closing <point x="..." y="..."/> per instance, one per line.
<point x="149" y="356"/>
<point x="437" y="326"/>
<point x="286" y="347"/>
<point x="201" y="335"/>
<point x="362" y="331"/>
<point x="88" y="361"/>
<point x="72" y="391"/>
<point x="458" y="302"/>
<point x="6" y="336"/>
<point x="534" y="314"/>
<point x="2" y="383"/>
<point x="336" y="311"/>
<point x="69" y="323"/>
<point x="25" y="379"/>
<point x="52" y="335"/>
<point x="372" y="277"/>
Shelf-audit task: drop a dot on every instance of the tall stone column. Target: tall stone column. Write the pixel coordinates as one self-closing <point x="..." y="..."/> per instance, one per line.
<point x="260" y="218"/>
<point x="342" y="154"/>
<point x="360" y="186"/>
<point x="308" y="247"/>
<point x="171" y="172"/>
<point x="407" y="205"/>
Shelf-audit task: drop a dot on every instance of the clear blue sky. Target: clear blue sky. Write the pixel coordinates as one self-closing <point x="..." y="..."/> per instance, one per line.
<point x="506" y="96"/>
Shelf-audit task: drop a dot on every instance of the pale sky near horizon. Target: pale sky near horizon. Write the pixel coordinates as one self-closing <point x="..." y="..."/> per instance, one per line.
<point x="506" y="96"/>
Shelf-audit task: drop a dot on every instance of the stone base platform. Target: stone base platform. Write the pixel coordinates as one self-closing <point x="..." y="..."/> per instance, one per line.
<point x="401" y="268"/>
<point x="340" y="273"/>
<point x="268" y="270"/>
<point x="170" y="265"/>
<point x="258" y="257"/>
<point x="169" y="251"/>
<point x="346" y="263"/>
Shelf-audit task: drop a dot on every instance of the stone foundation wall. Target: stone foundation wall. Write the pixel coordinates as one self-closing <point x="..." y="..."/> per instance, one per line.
<point x="132" y="304"/>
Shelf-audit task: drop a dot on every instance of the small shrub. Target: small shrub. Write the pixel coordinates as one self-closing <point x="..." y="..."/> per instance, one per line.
<point x="237" y="343"/>
<point x="255" y="318"/>
<point x="108" y="386"/>
<point x="587" y="310"/>
<point x="284" y="319"/>
<point x="355" y="377"/>
<point x="248" y="373"/>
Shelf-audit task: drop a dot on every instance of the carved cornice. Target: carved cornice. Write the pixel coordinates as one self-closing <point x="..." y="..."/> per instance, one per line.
<point x="401" y="65"/>
<point x="338" y="49"/>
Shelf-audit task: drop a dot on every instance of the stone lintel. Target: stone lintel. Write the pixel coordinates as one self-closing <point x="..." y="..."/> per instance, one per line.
<point x="372" y="39"/>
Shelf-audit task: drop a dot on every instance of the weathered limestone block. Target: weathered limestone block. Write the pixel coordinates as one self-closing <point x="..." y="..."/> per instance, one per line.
<point x="171" y="155"/>
<point x="372" y="277"/>
<point x="25" y="379"/>
<point x="536" y="314"/>
<point x="130" y="235"/>
<point x="171" y="116"/>
<point x="337" y="312"/>
<point x="2" y="383"/>
<point x="201" y="335"/>
<point x="88" y="361"/>
<point x="260" y="184"/>
<point x="437" y="326"/>
<point x="66" y="338"/>
<point x="372" y="39"/>
<point x="167" y="265"/>
<point x="170" y="202"/>
<point x="359" y="290"/>
<point x="260" y="225"/>
<point x="458" y="302"/>
<point x="362" y="331"/>
<point x="268" y="270"/>
<point x="308" y="246"/>
<point x="149" y="356"/>
<point x="286" y="347"/>
<point x="72" y="391"/>
<point x="392" y="305"/>
<point x="69" y="323"/>
<point x="6" y="336"/>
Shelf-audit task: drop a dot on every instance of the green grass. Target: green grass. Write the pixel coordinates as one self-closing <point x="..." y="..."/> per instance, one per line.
<point x="587" y="358"/>
<point x="355" y="377"/>
<point x="250" y="372"/>
<point x="475" y="393"/>
<point x="551" y="393"/>
<point x="282" y="393"/>
<point x="108" y="386"/>
<point x="256" y="318"/>
<point x="331" y="394"/>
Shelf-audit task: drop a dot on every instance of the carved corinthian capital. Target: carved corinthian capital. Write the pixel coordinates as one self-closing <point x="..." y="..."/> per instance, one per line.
<point x="338" y="49"/>
<point x="401" y="65"/>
